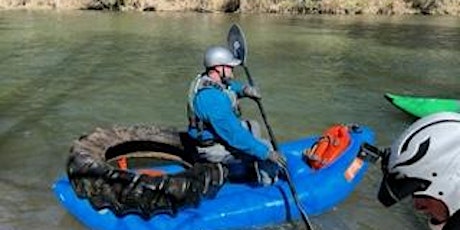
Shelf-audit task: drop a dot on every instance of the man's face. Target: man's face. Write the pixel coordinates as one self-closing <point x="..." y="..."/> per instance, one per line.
<point x="225" y="71"/>
<point x="434" y="208"/>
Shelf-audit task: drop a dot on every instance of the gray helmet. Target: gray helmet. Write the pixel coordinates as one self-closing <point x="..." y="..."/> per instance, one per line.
<point x="218" y="55"/>
<point x="425" y="161"/>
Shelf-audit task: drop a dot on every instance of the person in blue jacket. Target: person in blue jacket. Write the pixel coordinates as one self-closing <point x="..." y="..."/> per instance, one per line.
<point x="220" y="134"/>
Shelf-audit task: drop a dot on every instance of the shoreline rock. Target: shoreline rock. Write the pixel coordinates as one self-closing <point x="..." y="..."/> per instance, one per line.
<point x="342" y="7"/>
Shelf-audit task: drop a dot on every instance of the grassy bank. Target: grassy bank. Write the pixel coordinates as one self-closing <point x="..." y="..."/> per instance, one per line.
<point x="386" y="7"/>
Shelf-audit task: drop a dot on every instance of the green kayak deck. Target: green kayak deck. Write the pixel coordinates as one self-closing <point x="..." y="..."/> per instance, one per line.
<point x="423" y="106"/>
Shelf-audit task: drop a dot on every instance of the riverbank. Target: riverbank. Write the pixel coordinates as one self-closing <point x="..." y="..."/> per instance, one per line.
<point x="383" y="7"/>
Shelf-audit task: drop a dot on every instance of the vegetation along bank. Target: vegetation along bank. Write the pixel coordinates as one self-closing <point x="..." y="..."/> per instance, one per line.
<point x="383" y="7"/>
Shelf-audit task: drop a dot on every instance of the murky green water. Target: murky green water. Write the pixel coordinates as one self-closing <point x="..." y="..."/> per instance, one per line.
<point x="64" y="73"/>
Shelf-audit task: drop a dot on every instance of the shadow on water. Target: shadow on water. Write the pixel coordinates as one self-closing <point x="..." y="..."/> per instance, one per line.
<point x="418" y="32"/>
<point x="91" y="65"/>
<point x="48" y="89"/>
<point x="417" y="37"/>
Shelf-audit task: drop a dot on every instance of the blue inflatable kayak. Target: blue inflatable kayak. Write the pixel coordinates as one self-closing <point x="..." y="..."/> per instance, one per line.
<point x="241" y="205"/>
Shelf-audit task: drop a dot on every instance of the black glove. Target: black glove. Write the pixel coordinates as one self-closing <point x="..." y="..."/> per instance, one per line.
<point x="251" y="92"/>
<point x="278" y="158"/>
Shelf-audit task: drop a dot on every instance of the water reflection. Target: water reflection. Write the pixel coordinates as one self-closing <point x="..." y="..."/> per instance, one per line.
<point x="64" y="73"/>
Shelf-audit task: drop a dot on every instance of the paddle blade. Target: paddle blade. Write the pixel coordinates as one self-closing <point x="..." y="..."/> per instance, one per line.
<point x="237" y="42"/>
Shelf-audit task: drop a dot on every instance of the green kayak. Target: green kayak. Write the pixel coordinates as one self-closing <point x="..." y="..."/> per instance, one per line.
<point x="423" y="106"/>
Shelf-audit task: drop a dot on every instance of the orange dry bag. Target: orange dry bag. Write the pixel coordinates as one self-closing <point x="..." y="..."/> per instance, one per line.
<point x="328" y="147"/>
<point x="123" y="164"/>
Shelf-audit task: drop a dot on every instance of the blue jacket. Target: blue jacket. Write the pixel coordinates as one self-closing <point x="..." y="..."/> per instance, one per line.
<point x="214" y="107"/>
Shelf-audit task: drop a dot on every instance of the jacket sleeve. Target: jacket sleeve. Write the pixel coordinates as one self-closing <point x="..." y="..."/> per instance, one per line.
<point x="214" y="107"/>
<point x="237" y="87"/>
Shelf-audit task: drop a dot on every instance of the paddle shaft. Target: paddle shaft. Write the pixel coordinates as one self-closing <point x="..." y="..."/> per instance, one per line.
<point x="292" y="188"/>
<point x="237" y="44"/>
<point x="262" y="111"/>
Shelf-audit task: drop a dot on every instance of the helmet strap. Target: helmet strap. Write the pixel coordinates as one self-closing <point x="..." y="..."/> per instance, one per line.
<point x="223" y="77"/>
<point x="220" y="72"/>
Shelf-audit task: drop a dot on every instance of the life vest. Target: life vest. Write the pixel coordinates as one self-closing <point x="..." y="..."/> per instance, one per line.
<point x="328" y="147"/>
<point x="202" y="81"/>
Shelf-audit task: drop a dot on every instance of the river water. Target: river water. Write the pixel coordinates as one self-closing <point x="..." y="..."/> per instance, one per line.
<point x="64" y="73"/>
